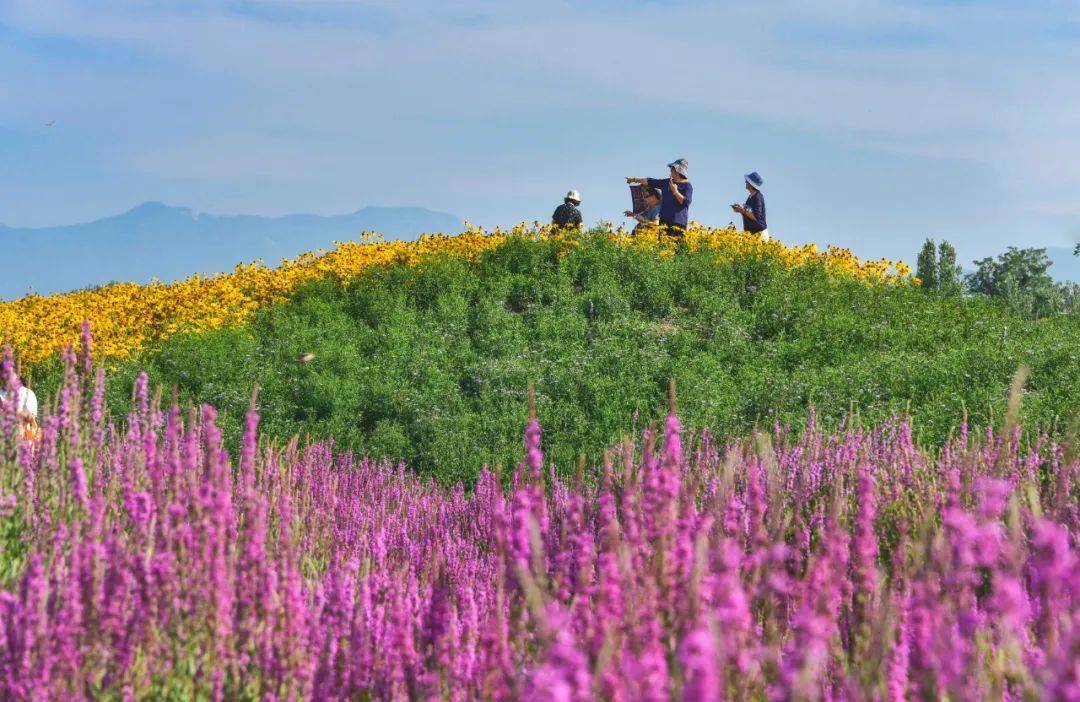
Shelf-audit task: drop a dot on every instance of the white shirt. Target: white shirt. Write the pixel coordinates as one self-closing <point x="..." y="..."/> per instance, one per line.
<point x="27" y="402"/>
<point x="27" y="405"/>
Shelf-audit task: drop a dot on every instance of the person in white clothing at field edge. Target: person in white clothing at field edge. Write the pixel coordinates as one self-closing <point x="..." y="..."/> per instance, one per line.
<point x="26" y="408"/>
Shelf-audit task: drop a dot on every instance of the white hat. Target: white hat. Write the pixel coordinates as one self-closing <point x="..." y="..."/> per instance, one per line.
<point x="573" y="195"/>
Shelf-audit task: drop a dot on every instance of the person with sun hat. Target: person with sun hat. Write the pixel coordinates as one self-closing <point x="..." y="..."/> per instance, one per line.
<point x="753" y="212"/>
<point x="568" y="214"/>
<point x="677" y="195"/>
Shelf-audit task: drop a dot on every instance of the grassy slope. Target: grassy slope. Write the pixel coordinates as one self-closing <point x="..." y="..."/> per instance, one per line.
<point x="431" y="365"/>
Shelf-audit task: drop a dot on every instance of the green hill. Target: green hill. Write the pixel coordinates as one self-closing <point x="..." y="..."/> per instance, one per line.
<point x="430" y="363"/>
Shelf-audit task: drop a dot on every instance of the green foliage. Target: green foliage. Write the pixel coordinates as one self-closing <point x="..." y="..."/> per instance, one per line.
<point x="926" y="267"/>
<point x="938" y="270"/>
<point x="1070" y="297"/>
<point x="1019" y="276"/>
<point x="950" y="275"/>
<point x="430" y="364"/>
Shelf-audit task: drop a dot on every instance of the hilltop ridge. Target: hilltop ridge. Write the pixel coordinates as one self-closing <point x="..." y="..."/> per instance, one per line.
<point x="426" y="357"/>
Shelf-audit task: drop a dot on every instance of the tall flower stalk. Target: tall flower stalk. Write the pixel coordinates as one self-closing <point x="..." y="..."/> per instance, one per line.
<point x="143" y="562"/>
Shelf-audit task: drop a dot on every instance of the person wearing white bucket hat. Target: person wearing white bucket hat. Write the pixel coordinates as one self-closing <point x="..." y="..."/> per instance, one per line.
<point x="753" y="212"/>
<point x="677" y="192"/>
<point x="568" y="214"/>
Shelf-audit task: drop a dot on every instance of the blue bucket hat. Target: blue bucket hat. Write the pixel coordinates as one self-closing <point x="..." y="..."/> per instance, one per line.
<point x="755" y="180"/>
<point x="680" y="165"/>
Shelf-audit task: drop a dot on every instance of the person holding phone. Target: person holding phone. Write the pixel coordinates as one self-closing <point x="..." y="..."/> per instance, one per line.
<point x="677" y="194"/>
<point x="753" y="211"/>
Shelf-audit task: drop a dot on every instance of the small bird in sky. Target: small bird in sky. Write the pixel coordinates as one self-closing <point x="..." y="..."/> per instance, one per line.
<point x="49" y="124"/>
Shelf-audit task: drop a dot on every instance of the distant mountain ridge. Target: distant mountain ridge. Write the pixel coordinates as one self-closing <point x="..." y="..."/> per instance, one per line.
<point x="155" y="240"/>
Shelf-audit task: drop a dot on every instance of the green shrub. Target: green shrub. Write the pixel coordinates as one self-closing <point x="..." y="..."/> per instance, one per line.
<point x="430" y="364"/>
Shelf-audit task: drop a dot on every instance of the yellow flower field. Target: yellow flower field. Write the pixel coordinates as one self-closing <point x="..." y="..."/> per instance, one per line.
<point x="127" y="317"/>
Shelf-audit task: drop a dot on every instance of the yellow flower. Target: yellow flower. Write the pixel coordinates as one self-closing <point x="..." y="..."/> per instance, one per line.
<point x="127" y="317"/>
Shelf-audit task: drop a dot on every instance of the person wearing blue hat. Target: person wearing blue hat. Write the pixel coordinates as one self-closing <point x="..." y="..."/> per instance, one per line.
<point x="677" y="194"/>
<point x="753" y="212"/>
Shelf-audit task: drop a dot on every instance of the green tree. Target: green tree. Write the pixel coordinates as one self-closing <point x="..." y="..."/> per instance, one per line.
<point x="1020" y="276"/>
<point x="950" y="275"/>
<point x="927" y="267"/>
<point x="1070" y="297"/>
<point x="937" y="269"/>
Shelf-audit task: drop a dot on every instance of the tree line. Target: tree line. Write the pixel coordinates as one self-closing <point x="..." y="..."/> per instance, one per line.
<point x="1019" y="276"/>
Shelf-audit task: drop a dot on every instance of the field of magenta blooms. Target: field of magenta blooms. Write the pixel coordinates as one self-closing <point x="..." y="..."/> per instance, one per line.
<point x="144" y="562"/>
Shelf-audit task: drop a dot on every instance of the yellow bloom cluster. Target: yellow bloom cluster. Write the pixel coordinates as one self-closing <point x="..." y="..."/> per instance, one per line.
<point x="127" y="317"/>
<point x="732" y="243"/>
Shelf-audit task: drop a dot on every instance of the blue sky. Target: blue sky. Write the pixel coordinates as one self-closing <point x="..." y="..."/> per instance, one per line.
<point x="875" y="124"/>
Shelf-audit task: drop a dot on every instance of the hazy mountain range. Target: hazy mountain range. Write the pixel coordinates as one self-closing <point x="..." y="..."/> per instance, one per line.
<point x="155" y="240"/>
